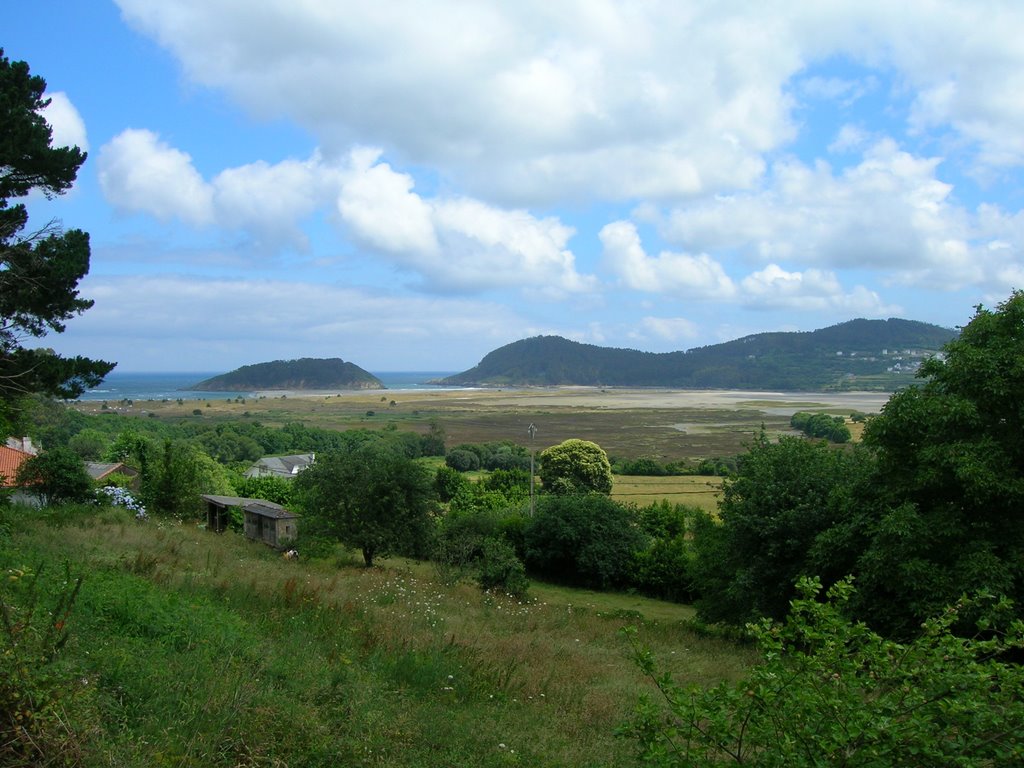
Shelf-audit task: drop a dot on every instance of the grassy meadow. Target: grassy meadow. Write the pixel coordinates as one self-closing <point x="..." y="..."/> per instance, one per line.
<point x="187" y="648"/>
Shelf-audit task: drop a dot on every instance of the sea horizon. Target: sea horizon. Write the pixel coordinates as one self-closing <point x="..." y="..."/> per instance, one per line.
<point x="173" y="385"/>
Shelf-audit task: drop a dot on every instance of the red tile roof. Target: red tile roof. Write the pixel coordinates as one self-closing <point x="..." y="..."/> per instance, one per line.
<point x="10" y="460"/>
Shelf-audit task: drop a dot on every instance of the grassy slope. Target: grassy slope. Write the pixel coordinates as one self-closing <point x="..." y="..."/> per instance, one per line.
<point x="189" y="648"/>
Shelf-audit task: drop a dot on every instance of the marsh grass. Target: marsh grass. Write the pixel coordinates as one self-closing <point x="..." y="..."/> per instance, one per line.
<point x="189" y="648"/>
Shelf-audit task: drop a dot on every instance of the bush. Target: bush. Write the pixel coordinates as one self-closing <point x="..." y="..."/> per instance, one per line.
<point x="832" y="692"/>
<point x="831" y="428"/>
<point x="587" y="540"/>
<point x="501" y="570"/>
<point x="33" y="729"/>
<point x="462" y="460"/>
<point x="448" y="483"/>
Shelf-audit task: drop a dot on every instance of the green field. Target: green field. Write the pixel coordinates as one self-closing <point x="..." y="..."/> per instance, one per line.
<point x="189" y="648"/>
<point x="697" y="491"/>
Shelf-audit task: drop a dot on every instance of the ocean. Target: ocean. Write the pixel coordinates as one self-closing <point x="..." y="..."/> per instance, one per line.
<point x="171" y="386"/>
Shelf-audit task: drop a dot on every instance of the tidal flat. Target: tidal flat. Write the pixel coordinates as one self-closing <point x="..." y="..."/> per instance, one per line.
<point x="627" y="423"/>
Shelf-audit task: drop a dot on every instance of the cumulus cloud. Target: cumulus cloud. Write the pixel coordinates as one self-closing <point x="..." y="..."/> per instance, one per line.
<point x="888" y="213"/>
<point x="65" y="121"/>
<point x="379" y="205"/>
<point x="140" y="173"/>
<point x="678" y="274"/>
<point x="609" y="98"/>
<point x="456" y="244"/>
<point x="812" y="289"/>
<point x="451" y="244"/>
<point x="572" y="99"/>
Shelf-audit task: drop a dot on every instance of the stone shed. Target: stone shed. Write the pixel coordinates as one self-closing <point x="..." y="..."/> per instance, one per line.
<point x="262" y="520"/>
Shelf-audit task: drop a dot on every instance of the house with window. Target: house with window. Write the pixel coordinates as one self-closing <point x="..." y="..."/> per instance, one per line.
<point x="286" y="467"/>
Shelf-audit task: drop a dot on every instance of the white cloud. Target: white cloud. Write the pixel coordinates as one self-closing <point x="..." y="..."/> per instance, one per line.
<point x="456" y="244"/>
<point x="812" y="289"/>
<point x="532" y="101"/>
<point x="888" y="213"/>
<point x="678" y="274"/>
<point x="849" y="138"/>
<point x="270" y="199"/>
<point x="588" y="98"/>
<point x="65" y="121"/>
<point x="383" y="211"/>
<point x="140" y="173"/>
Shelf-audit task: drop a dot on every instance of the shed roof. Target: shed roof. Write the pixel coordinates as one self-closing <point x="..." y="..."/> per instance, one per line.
<point x="256" y="506"/>
<point x="265" y="510"/>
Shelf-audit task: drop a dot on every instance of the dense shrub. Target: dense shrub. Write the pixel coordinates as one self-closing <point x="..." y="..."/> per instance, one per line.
<point x="831" y="428"/>
<point x="665" y="567"/>
<point x="448" y="483"/>
<point x="588" y="540"/>
<point x="462" y="460"/>
<point x="831" y="692"/>
<point x="513" y="483"/>
<point x="500" y="569"/>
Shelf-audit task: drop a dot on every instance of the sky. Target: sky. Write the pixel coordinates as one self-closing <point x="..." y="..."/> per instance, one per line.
<point x="410" y="185"/>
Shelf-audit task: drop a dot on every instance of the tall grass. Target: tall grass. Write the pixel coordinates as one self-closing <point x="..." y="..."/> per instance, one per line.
<point x="191" y="648"/>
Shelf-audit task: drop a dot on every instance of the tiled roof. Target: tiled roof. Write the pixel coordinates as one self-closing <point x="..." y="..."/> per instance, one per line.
<point x="10" y="460"/>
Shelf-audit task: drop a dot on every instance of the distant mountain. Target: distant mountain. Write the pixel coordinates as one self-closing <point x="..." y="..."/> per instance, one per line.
<point x="859" y="354"/>
<point x="307" y="373"/>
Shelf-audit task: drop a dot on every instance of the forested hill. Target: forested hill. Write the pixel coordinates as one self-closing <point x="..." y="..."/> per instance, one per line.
<point x="859" y="354"/>
<point x="307" y="373"/>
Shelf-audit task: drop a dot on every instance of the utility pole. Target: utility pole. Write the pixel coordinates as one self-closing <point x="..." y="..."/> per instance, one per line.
<point x="531" y="431"/>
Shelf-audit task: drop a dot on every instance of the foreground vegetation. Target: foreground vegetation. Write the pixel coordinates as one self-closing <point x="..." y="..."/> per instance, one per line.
<point x="189" y="648"/>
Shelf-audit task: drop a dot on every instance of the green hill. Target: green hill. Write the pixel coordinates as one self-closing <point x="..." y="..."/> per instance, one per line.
<point x="859" y="354"/>
<point x="306" y="373"/>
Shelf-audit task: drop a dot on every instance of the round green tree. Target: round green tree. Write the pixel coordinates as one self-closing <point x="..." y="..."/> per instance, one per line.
<point x="372" y="498"/>
<point x="575" y="466"/>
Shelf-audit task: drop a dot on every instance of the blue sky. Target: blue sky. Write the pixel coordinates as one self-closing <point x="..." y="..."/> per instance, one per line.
<point x="409" y="185"/>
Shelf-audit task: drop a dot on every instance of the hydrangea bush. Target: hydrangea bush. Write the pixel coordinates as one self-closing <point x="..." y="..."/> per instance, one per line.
<point x="119" y="497"/>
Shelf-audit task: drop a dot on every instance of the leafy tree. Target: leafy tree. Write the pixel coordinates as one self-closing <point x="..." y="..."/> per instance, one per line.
<point x="830" y="692"/>
<point x="665" y="568"/>
<point x="173" y="481"/>
<point x="774" y="514"/>
<point x="575" y="466"/>
<point x="372" y="498"/>
<point x="462" y="460"/>
<point x="58" y="476"/>
<point x="90" y="444"/>
<point x="432" y="443"/>
<point x="448" y="482"/>
<point x="270" y="488"/>
<point x="589" y="540"/>
<point x="39" y="272"/>
<point x="513" y="483"/>
<point x="950" y="478"/>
